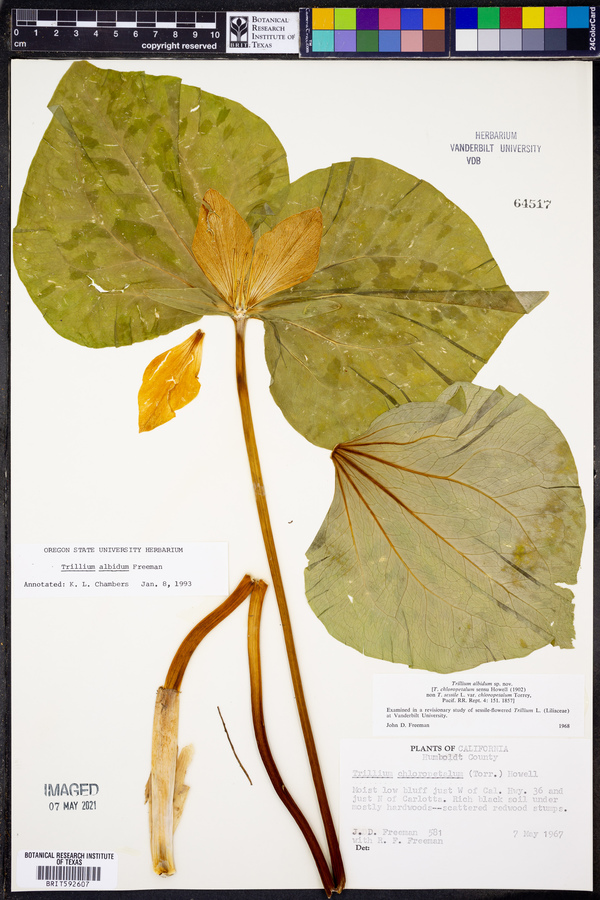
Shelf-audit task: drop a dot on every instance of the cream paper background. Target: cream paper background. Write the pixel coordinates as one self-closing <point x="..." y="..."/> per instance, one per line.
<point x="85" y="672"/>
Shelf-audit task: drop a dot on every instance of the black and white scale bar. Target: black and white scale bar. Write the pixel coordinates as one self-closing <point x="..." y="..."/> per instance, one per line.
<point x="125" y="31"/>
<point x="84" y="18"/>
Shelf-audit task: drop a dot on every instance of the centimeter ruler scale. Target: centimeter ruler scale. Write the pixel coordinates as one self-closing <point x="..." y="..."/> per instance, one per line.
<point x="130" y="31"/>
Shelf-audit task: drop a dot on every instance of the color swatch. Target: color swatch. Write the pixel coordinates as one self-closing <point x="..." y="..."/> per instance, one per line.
<point x="523" y="29"/>
<point x="381" y="32"/>
<point x="507" y="31"/>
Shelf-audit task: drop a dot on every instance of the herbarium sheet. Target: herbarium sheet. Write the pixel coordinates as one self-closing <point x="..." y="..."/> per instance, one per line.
<point x="328" y="326"/>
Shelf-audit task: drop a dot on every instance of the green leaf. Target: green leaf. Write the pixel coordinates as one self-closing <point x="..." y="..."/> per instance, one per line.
<point x="453" y="526"/>
<point x="416" y="302"/>
<point x="112" y="198"/>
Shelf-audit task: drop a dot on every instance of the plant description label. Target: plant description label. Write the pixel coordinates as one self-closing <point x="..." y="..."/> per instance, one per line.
<point x="445" y="814"/>
<point x="68" y="870"/>
<point x="187" y="569"/>
<point x="510" y="705"/>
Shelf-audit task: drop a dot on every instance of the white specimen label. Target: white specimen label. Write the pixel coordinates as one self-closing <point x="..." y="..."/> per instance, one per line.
<point x="66" y="870"/>
<point x="422" y="704"/>
<point x="120" y="569"/>
<point x="466" y="813"/>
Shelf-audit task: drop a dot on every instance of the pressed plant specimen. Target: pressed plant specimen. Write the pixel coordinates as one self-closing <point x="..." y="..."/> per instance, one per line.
<point x="457" y="517"/>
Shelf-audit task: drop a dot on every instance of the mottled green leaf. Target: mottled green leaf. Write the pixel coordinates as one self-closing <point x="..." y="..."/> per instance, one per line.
<point x="452" y="530"/>
<point x="112" y="200"/>
<point x="416" y="301"/>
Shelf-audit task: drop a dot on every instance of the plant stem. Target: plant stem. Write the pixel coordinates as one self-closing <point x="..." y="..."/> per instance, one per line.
<point x="165" y="790"/>
<point x="199" y="631"/>
<point x="160" y="790"/>
<point x="267" y="533"/>
<point x="254" y="615"/>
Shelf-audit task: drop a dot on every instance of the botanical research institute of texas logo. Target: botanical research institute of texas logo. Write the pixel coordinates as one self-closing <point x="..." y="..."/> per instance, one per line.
<point x="238" y="32"/>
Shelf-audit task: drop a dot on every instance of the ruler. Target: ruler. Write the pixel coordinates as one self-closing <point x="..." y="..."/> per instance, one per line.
<point x="131" y="31"/>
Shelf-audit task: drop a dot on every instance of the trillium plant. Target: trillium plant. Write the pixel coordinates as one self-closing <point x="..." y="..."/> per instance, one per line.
<point x="457" y="518"/>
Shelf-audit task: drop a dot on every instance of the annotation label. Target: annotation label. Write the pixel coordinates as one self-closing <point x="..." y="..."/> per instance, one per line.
<point x="118" y="569"/>
<point x="513" y="705"/>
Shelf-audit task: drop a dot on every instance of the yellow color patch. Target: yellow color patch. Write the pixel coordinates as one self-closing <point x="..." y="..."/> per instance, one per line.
<point x="533" y="17"/>
<point x="322" y="18"/>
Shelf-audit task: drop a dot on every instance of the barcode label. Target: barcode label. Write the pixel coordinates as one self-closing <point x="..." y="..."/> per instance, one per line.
<point x="68" y="873"/>
<point x="66" y="870"/>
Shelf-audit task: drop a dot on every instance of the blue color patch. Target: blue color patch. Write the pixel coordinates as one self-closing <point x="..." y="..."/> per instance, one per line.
<point x="578" y="16"/>
<point x="466" y="17"/>
<point x="411" y="19"/>
<point x="389" y="41"/>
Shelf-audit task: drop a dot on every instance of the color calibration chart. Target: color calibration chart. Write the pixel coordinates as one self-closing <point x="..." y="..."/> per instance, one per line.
<point x="379" y="31"/>
<point x="524" y="28"/>
<point x="547" y="31"/>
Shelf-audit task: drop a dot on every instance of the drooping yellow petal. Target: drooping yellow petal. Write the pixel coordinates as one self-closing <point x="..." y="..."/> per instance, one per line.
<point x="170" y="382"/>
<point x="222" y="246"/>
<point x="285" y="256"/>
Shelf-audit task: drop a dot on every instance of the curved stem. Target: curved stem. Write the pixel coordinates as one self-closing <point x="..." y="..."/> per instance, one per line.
<point x="254" y="615"/>
<point x="199" y="632"/>
<point x="269" y="542"/>
<point x="165" y="790"/>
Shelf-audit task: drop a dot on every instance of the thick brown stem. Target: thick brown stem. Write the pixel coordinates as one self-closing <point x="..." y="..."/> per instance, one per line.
<point x="267" y="533"/>
<point x="254" y="615"/>
<point x="199" y="632"/>
<point x="165" y="790"/>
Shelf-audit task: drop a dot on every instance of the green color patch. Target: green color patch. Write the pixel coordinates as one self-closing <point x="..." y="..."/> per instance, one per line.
<point x="367" y="41"/>
<point x="345" y="19"/>
<point x="488" y="17"/>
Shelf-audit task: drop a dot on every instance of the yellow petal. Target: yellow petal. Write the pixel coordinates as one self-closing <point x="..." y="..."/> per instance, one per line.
<point x="170" y="382"/>
<point x="222" y="246"/>
<point x="285" y="256"/>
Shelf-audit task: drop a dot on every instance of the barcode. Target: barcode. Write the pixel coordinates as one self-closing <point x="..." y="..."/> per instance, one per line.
<point x="68" y="873"/>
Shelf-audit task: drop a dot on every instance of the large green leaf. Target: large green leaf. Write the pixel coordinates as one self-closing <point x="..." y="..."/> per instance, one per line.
<point x="408" y="300"/>
<point x="112" y="200"/>
<point x="453" y="526"/>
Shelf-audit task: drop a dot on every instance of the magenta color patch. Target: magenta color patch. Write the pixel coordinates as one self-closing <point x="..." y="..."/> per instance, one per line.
<point x="412" y="41"/>
<point x="389" y="19"/>
<point x="555" y="16"/>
